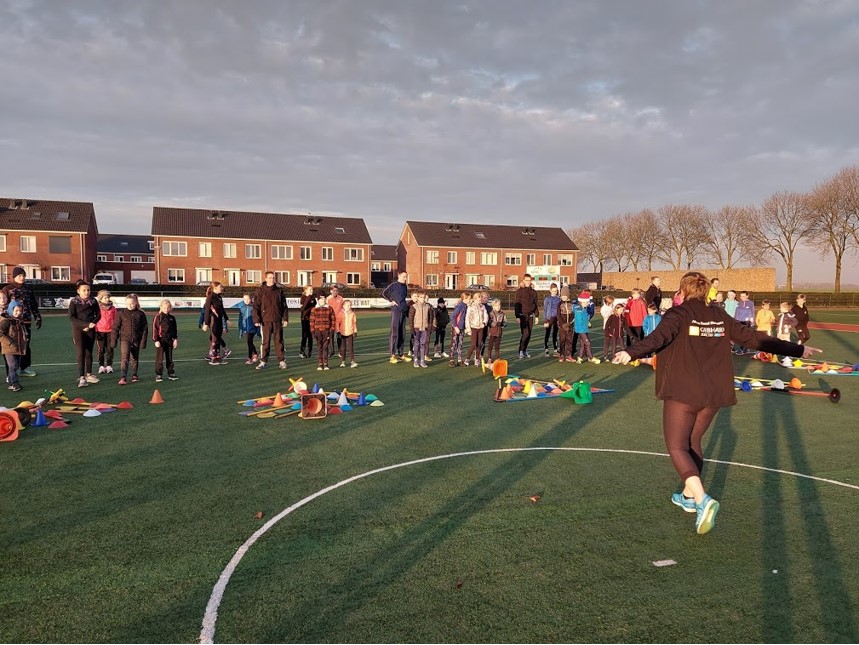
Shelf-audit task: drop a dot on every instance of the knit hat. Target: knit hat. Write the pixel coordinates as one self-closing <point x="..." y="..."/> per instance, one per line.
<point x="18" y="271"/>
<point x="565" y="291"/>
<point x="11" y="307"/>
<point x="442" y="301"/>
<point x="585" y="296"/>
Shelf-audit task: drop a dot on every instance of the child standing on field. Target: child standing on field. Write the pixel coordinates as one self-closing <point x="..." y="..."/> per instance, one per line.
<point x="636" y="311"/>
<point x="566" y="322"/>
<point x="84" y="314"/>
<point x="475" y="321"/>
<point x="765" y="318"/>
<point x="130" y="331"/>
<point x="550" y="319"/>
<point x="165" y="334"/>
<point x="248" y="328"/>
<point x="347" y="327"/>
<point x="614" y="333"/>
<point x="421" y="324"/>
<point x="442" y="320"/>
<point x="581" y="325"/>
<point x="731" y="303"/>
<point x="215" y="321"/>
<point x="457" y="329"/>
<point x="495" y="328"/>
<point x="785" y="322"/>
<point x="13" y="339"/>
<point x="745" y="315"/>
<point x="652" y="320"/>
<point x="322" y="324"/>
<point x="102" y="332"/>
<point x="801" y="312"/>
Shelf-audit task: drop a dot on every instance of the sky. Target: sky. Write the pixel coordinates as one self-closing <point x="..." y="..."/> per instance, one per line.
<point x="496" y="111"/>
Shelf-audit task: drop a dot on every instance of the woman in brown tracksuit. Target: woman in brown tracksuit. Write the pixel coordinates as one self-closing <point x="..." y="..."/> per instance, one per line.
<point x="694" y="378"/>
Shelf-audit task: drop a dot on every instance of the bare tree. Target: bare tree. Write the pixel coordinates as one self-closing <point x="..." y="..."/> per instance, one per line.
<point x="591" y="240"/>
<point x="643" y="238"/>
<point x="683" y="233"/>
<point x="833" y="222"/>
<point x="726" y="245"/>
<point x="616" y="245"/>
<point x="778" y="226"/>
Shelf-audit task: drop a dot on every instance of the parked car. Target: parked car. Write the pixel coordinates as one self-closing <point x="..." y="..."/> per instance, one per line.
<point x="104" y="278"/>
<point x="339" y="285"/>
<point x="35" y="281"/>
<point x="477" y="287"/>
<point x="137" y="281"/>
<point x="411" y="286"/>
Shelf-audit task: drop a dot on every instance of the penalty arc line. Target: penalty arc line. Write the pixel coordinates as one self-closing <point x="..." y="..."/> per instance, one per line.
<point x="210" y="618"/>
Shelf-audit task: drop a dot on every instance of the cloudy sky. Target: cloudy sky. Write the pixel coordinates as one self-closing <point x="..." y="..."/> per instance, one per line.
<point x="491" y="111"/>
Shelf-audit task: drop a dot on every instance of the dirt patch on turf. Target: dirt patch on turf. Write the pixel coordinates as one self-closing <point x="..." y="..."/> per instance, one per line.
<point x="833" y="326"/>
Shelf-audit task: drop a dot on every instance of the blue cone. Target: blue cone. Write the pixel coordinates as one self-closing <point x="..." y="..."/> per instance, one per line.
<point x="249" y="403"/>
<point x="315" y="388"/>
<point x="39" y="421"/>
<point x="746" y="386"/>
<point x="361" y="399"/>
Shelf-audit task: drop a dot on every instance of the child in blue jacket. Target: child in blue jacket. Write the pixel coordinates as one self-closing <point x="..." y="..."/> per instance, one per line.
<point x="651" y="320"/>
<point x="550" y="319"/>
<point x="581" y="325"/>
<point x="248" y="328"/>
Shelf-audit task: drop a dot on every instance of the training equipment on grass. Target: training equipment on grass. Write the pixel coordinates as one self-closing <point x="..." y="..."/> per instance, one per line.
<point x="830" y="368"/>
<point x="519" y="389"/>
<point x="761" y="382"/>
<point x="313" y="406"/>
<point x="833" y="395"/>
<point x="10" y="425"/>
<point x="301" y="403"/>
<point x="156" y="398"/>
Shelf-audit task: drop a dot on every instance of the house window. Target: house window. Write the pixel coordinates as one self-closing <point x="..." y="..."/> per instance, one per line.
<point x="282" y="277"/>
<point x="471" y="278"/>
<point x="547" y="259"/>
<point x="151" y="245"/>
<point x="353" y="254"/>
<point x="137" y="259"/>
<point x="175" y="275"/>
<point x="328" y="253"/>
<point x="61" y="274"/>
<point x="151" y="259"/>
<point x="98" y="258"/>
<point x="488" y="259"/>
<point x="59" y="244"/>
<point x="329" y="276"/>
<point x="470" y="257"/>
<point x="253" y="251"/>
<point x="2" y="243"/>
<point x="431" y="280"/>
<point x="203" y="275"/>
<point x="565" y="259"/>
<point x="281" y="252"/>
<point x="205" y="250"/>
<point x="118" y="258"/>
<point x="489" y="280"/>
<point x="175" y="249"/>
<point x="306" y="252"/>
<point x="387" y="266"/>
<point x="353" y="278"/>
<point x="375" y="266"/>
<point x="512" y="280"/>
<point x="28" y="244"/>
<point x="512" y="259"/>
<point x="254" y="276"/>
<point x="432" y="257"/>
<point x="531" y="259"/>
<point x="229" y="249"/>
<point x="451" y="257"/>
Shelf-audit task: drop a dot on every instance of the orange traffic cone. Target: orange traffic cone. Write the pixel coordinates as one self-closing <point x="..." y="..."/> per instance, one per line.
<point x="649" y="361"/>
<point x="156" y="397"/>
<point x="506" y="393"/>
<point x="278" y="401"/>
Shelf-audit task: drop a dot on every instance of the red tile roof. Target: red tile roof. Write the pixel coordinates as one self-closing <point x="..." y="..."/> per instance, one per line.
<point x="491" y="236"/>
<point x="381" y="252"/>
<point x="194" y="222"/>
<point x="17" y="214"/>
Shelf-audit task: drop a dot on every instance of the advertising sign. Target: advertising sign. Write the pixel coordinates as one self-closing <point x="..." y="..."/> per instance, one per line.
<point x="544" y="275"/>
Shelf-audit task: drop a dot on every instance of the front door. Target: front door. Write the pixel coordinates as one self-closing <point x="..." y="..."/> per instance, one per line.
<point x="450" y="281"/>
<point x="233" y="276"/>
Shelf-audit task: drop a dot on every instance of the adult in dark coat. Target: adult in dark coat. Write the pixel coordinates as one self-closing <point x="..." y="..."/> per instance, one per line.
<point x="653" y="295"/>
<point x="20" y="291"/>
<point x="694" y="378"/>
<point x="271" y="316"/>
<point x="525" y="308"/>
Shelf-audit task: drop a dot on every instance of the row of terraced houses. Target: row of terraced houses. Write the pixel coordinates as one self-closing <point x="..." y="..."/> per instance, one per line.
<point x="58" y="241"/>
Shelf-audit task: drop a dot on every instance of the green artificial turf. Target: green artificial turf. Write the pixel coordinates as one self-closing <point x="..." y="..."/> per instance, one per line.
<point x="117" y="528"/>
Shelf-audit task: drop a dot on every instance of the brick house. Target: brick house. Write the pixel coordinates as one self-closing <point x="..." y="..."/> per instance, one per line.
<point x="383" y="264"/>
<point x="194" y="246"/>
<point x="52" y="240"/>
<point x="126" y="257"/>
<point x="455" y="256"/>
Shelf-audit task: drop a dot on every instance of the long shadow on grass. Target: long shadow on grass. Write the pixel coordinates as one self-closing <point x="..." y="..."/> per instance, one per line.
<point x="358" y="587"/>
<point x="721" y="445"/>
<point x="836" y="612"/>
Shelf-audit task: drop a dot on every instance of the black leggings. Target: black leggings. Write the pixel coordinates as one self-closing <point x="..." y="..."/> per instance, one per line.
<point x="683" y="426"/>
<point x="252" y="348"/>
<point x="551" y="330"/>
<point x="84" y="342"/>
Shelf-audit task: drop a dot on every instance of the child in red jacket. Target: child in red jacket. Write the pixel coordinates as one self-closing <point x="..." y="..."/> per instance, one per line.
<point x="635" y="311"/>
<point x="102" y="332"/>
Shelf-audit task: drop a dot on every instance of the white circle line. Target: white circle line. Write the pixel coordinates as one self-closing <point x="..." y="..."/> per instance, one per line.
<point x="210" y="618"/>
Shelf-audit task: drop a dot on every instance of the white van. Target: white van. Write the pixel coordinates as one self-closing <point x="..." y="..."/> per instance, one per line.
<point x="104" y="278"/>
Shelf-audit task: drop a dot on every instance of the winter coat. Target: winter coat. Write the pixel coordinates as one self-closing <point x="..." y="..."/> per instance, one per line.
<point x="108" y="316"/>
<point x="246" y="320"/>
<point x="475" y="316"/>
<point x="13" y="337"/>
<point x="636" y="312"/>
<point x="130" y="327"/>
<point x="566" y="316"/>
<point x="322" y="319"/>
<point x="745" y="311"/>
<point x="415" y="318"/>
<point x="24" y="295"/>
<point x="653" y="296"/>
<point x="550" y="306"/>
<point x="785" y="322"/>
<point x="615" y="326"/>
<point x="580" y="318"/>
<point x="164" y="327"/>
<point x="83" y="311"/>
<point x="695" y="364"/>
<point x="650" y="323"/>
<point x="346" y="324"/>
<point x="458" y="318"/>
<point x="526" y="302"/>
<point x="497" y="322"/>
<point x="307" y="304"/>
<point x="270" y="305"/>
<point x="442" y="317"/>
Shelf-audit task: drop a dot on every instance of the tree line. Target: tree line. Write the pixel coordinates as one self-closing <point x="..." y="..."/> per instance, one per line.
<point x="682" y="235"/>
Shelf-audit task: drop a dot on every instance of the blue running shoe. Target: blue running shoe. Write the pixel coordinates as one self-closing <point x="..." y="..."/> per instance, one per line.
<point x="706" y="519"/>
<point x="686" y="503"/>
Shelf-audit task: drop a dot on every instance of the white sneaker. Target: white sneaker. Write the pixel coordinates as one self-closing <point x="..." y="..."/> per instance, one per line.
<point x="108" y="370"/>
<point x="91" y="378"/>
<point x="101" y="369"/>
<point x="282" y="365"/>
<point x="343" y="364"/>
<point x="436" y="355"/>
<point x="445" y="355"/>
<point x="354" y="364"/>
<point x="82" y="382"/>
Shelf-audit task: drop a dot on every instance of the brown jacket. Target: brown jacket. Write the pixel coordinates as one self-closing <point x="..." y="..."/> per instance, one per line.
<point x="694" y="361"/>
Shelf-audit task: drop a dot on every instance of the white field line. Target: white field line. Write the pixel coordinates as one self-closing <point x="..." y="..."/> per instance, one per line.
<point x="210" y="618"/>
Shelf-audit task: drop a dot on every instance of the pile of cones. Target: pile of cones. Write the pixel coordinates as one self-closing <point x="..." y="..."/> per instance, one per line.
<point x="297" y="401"/>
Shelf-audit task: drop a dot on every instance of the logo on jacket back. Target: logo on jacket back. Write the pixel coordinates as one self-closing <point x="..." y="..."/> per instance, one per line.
<point x="709" y="329"/>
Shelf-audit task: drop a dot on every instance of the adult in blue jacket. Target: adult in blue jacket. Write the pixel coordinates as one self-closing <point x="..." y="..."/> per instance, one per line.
<point x="396" y="293"/>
